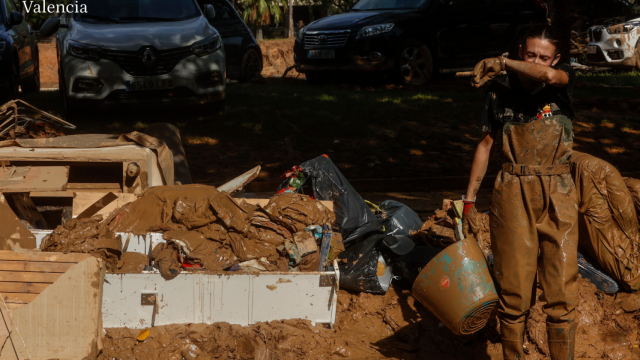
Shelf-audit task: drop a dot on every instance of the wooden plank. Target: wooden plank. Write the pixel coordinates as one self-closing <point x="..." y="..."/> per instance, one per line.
<point x="241" y="181"/>
<point x="14" y="276"/>
<point x="98" y="205"/>
<point x="73" y="186"/>
<point x="41" y="178"/>
<point x="35" y="266"/>
<point x="83" y="200"/>
<point x="18" y="298"/>
<point x="26" y="210"/>
<point x="42" y="256"/>
<point x="65" y="320"/>
<point x="19" y="287"/>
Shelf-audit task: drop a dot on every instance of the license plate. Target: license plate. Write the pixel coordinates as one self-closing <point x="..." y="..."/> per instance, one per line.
<point x="321" y="54"/>
<point x="149" y="84"/>
<point x="591" y="49"/>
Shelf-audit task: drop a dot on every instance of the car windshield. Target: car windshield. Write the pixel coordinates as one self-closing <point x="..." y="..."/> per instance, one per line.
<point x="115" y="11"/>
<point x="387" y="4"/>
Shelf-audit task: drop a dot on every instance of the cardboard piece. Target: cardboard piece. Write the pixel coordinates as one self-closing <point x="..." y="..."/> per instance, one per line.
<point x="14" y="235"/>
<point x="64" y="321"/>
<point x="240" y="182"/>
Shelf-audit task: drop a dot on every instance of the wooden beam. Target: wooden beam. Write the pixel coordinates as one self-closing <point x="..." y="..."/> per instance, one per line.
<point x="73" y="186"/>
<point x="42" y="256"/>
<point x="35" y="266"/>
<point x="18" y="287"/>
<point x="14" y="276"/>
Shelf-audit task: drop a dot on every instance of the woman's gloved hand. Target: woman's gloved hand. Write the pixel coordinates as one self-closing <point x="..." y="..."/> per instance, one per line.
<point x="470" y="215"/>
<point x="487" y="70"/>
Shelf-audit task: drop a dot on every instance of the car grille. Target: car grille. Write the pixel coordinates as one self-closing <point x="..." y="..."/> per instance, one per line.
<point x="595" y="34"/>
<point x="131" y="61"/>
<point x="326" y="38"/>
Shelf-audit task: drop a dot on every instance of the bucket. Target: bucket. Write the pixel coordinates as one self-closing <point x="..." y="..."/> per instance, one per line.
<point x="456" y="287"/>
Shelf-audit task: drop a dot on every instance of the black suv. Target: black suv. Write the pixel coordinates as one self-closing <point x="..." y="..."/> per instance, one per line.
<point x="409" y="38"/>
<point x="19" y="62"/>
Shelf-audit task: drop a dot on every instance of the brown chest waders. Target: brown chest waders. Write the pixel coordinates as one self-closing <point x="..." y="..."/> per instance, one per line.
<point x="534" y="210"/>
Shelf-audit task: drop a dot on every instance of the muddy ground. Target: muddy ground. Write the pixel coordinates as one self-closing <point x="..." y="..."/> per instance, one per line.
<point x="391" y="326"/>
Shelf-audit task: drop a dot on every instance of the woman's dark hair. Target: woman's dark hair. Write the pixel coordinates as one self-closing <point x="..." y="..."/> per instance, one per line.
<point x="543" y="32"/>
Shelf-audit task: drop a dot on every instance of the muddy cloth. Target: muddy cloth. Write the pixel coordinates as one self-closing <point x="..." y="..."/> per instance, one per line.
<point x="398" y="218"/>
<point x="297" y="211"/>
<point x="532" y="214"/>
<point x="508" y="101"/>
<point x="634" y="189"/>
<point x="353" y="217"/>
<point x="90" y="236"/>
<point x="196" y="248"/>
<point x="359" y="265"/>
<point x="608" y="219"/>
<point x="14" y="235"/>
<point x="166" y="258"/>
<point x="132" y="263"/>
<point x="157" y="206"/>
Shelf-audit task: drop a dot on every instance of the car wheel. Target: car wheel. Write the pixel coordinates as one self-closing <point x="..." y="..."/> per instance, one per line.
<point x="414" y="64"/>
<point x="32" y="84"/>
<point x="251" y="66"/>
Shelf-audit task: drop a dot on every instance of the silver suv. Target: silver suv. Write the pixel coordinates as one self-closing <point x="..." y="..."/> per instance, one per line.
<point x="132" y="51"/>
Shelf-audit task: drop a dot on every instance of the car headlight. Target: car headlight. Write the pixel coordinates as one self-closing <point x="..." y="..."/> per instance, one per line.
<point x="628" y="27"/>
<point x="206" y="46"/>
<point x="301" y="32"/>
<point x="84" y="51"/>
<point x="374" y="30"/>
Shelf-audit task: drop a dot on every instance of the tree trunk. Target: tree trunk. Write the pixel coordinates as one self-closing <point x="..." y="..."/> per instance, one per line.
<point x="290" y="19"/>
<point x="259" y="33"/>
<point x="561" y="20"/>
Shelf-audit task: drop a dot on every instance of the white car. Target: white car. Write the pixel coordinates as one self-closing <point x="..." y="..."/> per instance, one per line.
<point x="138" y="51"/>
<point x="615" y="46"/>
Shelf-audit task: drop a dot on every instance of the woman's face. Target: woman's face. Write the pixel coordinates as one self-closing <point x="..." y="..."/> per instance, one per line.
<point x="539" y="52"/>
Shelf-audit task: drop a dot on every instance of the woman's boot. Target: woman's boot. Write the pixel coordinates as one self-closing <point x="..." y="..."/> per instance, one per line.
<point x="512" y="338"/>
<point x="562" y="340"/>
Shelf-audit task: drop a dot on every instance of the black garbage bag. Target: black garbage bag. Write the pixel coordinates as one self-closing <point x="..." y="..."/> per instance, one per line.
<point x="359" y="273"/>
<point x="408" y="266"/>
<point x="353" y="217"/>
<point x="398" y="218"/>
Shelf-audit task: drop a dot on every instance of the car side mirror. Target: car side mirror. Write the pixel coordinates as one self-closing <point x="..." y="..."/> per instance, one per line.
<point x="16" y="18"/>
<point x="50" y="26"/>
<point x="209" y="12"/>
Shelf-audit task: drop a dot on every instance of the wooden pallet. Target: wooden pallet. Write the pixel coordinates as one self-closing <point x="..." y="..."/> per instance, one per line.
<point x="25" y="274"/>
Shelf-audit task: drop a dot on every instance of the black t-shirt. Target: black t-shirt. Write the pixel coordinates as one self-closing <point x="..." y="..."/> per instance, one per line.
<point x="508" y="101"/>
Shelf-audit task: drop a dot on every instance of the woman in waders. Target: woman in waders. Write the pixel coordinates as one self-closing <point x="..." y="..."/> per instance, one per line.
<point x="534" y="206"/>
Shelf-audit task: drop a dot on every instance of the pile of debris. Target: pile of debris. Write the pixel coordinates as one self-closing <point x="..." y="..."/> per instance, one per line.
<point x="207" y="229"/>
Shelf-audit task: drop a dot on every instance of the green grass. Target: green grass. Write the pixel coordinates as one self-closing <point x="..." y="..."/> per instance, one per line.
<point x="625" y="78"/>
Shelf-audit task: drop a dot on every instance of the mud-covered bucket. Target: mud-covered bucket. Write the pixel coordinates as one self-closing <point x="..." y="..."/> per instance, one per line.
<point x="456" y="286"/>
